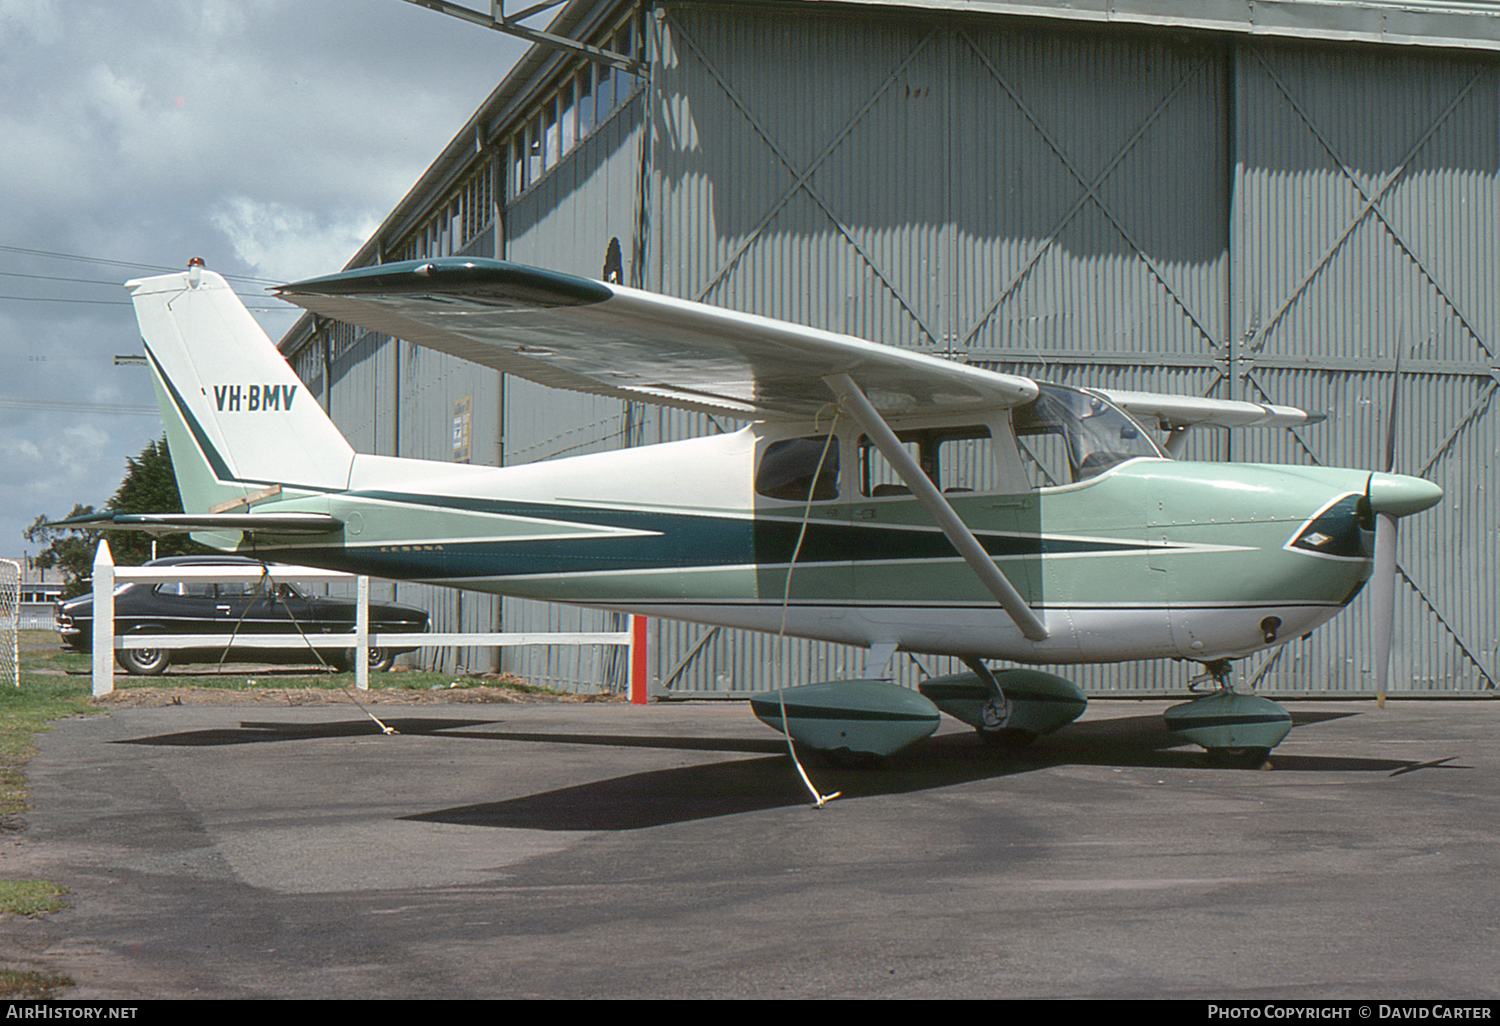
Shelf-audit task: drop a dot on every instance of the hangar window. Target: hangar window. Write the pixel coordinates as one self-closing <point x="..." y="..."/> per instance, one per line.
<point x="467" y="213"/>
<point x="800" y="470"/>
<point x="956" y="459"/>
<point x="588" y="93"/>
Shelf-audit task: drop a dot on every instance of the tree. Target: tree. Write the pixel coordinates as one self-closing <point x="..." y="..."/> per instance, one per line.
<point x="150" y="486"/>
<point x="70" y="550"/>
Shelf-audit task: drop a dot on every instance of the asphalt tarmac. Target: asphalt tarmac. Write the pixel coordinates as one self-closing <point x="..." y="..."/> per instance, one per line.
<point x="606" y="851"/>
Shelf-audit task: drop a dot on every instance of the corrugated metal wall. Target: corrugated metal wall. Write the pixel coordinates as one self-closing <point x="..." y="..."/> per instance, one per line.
<point x="566" y="222"/>
<point x="1050" y="202"/>
<point x="1126" y="209"/>
<point x="1367" y="222"/>
<point x="1123" y="210"/>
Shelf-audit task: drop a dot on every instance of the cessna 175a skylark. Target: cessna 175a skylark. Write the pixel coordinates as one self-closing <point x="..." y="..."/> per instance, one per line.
<point x="879" y="497"/>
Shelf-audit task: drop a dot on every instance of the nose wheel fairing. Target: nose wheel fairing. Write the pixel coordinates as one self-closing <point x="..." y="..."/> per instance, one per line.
<point x="1235" y="729"/>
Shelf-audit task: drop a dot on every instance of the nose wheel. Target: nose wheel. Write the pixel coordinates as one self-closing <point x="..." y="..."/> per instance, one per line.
<point x="1238" y="731"/>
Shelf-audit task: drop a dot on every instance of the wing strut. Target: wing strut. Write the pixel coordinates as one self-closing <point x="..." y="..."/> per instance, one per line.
<point x="927" y="493"/>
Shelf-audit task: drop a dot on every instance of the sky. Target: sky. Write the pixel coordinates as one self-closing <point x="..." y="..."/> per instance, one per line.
<point x="270" y="138"/>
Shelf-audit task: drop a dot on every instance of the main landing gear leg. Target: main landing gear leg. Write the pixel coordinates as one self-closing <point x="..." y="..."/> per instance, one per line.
<point x="1238" y="731"/>
<point x="994" y="719"/>
<point x="1009" y="709"/>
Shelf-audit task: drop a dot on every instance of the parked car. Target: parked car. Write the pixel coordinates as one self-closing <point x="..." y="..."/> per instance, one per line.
<point x="204" y="607"/>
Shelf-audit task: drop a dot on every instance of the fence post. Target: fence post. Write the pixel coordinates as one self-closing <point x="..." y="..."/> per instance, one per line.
<point x="639" y="687"/>
<point x="362" y="634"/>
<point x="104" y="620"/>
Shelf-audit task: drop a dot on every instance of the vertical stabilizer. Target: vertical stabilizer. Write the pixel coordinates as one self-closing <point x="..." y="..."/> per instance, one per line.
<point x="238" y="419"/>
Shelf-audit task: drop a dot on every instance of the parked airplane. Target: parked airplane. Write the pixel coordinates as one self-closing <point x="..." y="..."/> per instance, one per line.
<point x="879" y="497"/>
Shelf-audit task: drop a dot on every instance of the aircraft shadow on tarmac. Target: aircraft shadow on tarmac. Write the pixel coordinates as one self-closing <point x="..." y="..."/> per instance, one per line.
<point x="657" y="797"/>
<point x="252" y="733"/>
<point x="679" y="794"/>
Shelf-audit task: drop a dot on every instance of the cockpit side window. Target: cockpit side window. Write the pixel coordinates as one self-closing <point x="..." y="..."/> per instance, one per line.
<point x="790" y="469"/>
<point x="956" y="459"/>
<point x="1068" y="435"/>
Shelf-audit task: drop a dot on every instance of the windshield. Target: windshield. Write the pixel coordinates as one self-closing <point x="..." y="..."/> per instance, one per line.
<point x="1067" y="434"/>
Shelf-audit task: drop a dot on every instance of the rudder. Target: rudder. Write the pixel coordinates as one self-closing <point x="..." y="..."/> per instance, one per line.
<point x="238" y="419"/>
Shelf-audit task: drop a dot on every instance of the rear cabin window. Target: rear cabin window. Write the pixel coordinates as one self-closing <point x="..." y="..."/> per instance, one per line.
<point x="799" y="470"/>
<point x="956" y="459"/>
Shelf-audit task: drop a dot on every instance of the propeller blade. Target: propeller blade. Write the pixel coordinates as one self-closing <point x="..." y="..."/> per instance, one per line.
<point x="1390" y="419"/>
<point x="1383" y="601"/>
<point x="1383" y="578"/>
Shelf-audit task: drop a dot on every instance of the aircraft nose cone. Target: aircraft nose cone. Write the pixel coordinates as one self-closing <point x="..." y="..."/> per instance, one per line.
<point x="1400" y="495"/>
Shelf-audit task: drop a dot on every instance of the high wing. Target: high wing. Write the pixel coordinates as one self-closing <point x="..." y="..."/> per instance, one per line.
<point x="590" y="336"/>
<point x="1184" y="411"/>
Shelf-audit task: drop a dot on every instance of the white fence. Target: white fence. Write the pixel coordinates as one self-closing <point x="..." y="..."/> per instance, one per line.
<point x="36" y="617"/>
<point x="10" y="621"/>
<point x="106" y="642"/>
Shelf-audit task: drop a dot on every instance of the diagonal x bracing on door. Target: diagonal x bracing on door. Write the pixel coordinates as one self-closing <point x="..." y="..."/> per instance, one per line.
<point x="802" y="177"/>
<point x="1371" y="206"/>
<point x="1090" y="191"/>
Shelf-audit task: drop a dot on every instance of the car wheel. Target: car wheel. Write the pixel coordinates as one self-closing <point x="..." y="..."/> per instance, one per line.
<point x="143" y="662"/>
<point x="381" y="659"/>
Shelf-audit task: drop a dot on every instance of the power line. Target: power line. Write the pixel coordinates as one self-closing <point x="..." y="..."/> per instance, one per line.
<point x="124" y="263"/>
<point x="126" y="302"/>
<point x="78" y="406"/>
<point x="53" y="277"/>
<point x="48" y="299"/>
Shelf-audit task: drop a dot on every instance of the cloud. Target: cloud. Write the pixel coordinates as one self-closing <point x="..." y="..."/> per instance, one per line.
<point x="270" y="139"/>
<point x="24" y="21"/>
<point x="284" y="242"/>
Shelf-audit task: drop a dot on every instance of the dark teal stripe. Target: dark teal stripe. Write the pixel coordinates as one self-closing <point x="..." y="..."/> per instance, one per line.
<point x="468" y="281"/>
<point x="821" y="712"/>
<point x="215" y="461"/>
<point x="677" y="541"/>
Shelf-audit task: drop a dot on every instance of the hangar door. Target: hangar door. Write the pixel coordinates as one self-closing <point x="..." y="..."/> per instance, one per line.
<point x="948" y="187"/>
<point x="1050" y="202"/>
<point x="1368" y="185"/>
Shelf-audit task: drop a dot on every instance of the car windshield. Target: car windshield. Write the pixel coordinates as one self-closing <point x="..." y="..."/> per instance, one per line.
<point x="1068" y="434"/>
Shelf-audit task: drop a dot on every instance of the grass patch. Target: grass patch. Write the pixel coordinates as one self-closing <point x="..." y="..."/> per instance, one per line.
<point x="55" y="684"/>
<point x="16" y="983"/>
<point x="46" y="693"/>
<point x="30" y="897"/>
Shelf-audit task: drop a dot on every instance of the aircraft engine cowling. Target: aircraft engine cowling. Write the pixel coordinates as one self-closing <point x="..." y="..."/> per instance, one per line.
<point x="1036" y="703"/>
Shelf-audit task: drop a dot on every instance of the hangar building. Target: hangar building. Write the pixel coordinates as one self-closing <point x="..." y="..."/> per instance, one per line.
<point x="1260" y="199"/>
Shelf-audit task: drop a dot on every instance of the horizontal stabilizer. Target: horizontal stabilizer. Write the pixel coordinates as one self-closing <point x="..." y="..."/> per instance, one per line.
<point x="182" y="523"/>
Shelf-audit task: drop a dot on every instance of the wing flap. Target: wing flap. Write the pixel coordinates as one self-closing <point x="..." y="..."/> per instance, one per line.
<point x="604" y="339"/>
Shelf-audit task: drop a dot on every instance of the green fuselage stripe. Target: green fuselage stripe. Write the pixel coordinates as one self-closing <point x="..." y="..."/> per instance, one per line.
<point x="667" y="541"/>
